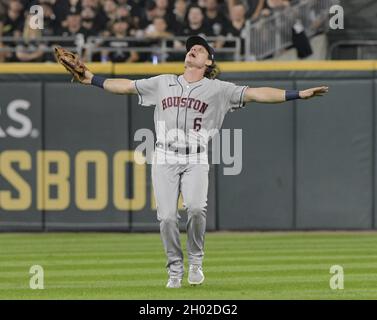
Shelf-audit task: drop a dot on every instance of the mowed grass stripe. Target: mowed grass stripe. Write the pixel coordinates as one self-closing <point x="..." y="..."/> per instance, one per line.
<point x="244" y="263"/>
<point x="128" y="249"/>
<point x="261" y="235"/>
<point x="262" y="238"/>
<point x="244" y="278"/>
<point x="258" y="238"/>
<point x="238" y="283"/>
<point x="186" y="294"/>
<point x="356" y="272"/>
<point x="132" y="274"/>
<point x="81" y="249"/>
<point x="106" y="238"/>
<point x="211" y="252"/>
<point x="220" y="290"/>
<point x="304" y="262"/>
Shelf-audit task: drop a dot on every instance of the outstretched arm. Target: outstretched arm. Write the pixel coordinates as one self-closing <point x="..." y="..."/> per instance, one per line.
<point x="272" y="95"/>
<point x="117" y="86"/>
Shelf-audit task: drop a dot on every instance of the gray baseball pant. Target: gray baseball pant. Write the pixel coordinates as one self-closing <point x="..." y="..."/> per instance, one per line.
<point x="192" y="181"/>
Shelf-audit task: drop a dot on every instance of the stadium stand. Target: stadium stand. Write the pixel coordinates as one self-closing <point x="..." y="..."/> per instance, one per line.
<point x="147" y="30"/>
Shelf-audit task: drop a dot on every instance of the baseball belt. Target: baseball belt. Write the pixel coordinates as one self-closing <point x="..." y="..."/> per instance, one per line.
<point x="180" y="150"/>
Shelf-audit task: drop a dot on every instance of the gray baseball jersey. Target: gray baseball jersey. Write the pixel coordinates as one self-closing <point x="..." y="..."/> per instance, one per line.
<point x="184" y="114"/>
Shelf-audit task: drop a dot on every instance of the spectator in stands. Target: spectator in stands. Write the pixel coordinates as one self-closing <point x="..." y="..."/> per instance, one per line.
<point x="39" y="2"/>
<point x="271" y="5"/>
<point x="120" y="29"/>
<point x="31" y="48"/>
<point x="93" y="4"/>
<point x="123" y="12"/>
<point x="13" y="23"/>
<point x="149" y="14"/>
<point x="215" y="17"/>
<point x="200" y="3"/>
<point x="253" y="7"/>
<point x="74" y="30"/>
<point x="100" y="18"/>
<point x="196" y="24"/>
<point x="63" y="8"/>
<point x="158" y="30"/>
<point x="162" y="7"/>
<point x="237" y="20"/>
<point x="27" y="4"/>
<point x="165" y="10"/>
<point x="110" y="8"/>
<point x="3" y="54"/>
<point x="135" y="9"/>
<point x="89" y="27"/>
<point x="50" y="23"/>
<point x="132" y="7"/>
<point x="178" y="18"/>
<point x="73" y="25"/>
<point x="236" y="27"/>
<point x="3" y="10"/>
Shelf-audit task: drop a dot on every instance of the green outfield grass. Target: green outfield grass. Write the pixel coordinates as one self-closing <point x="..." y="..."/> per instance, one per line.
<point x="237" y="266"/>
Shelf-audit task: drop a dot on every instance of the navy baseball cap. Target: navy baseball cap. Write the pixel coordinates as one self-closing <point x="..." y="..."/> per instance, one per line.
<point x="192" y="41"/>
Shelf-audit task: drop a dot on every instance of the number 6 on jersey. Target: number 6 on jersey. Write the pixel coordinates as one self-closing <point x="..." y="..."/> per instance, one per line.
<point x="197" y="124"/>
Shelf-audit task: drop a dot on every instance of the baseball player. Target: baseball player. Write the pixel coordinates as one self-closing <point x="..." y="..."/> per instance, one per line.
<point x="185" y="108"/>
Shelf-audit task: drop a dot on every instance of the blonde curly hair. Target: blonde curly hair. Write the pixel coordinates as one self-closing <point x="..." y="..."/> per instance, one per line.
<point x="212" y="71"/>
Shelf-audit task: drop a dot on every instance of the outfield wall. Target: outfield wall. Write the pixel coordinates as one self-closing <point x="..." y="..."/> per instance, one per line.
<point x="66" y="151"/>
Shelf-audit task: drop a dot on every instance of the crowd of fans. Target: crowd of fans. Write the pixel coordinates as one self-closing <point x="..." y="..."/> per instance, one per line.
<point x="116" y="19"/>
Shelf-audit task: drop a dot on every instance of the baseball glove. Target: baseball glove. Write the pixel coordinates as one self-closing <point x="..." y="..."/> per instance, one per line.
<point x="72" y="63"/>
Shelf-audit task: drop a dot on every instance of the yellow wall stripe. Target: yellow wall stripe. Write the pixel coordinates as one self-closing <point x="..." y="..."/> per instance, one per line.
<point x="49" y="68"/>
<point x="177" y="68"/>
<point x="351" y="65"/>
<point x="148" y="68"/>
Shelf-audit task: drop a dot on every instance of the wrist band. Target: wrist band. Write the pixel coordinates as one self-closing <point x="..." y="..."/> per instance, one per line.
<point x="292" y="95"/>
<point x="98" y="81"/>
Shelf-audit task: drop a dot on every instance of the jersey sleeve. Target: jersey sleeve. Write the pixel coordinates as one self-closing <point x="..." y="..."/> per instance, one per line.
<point x="147" y="90"/>
<point x="233" y="95"/>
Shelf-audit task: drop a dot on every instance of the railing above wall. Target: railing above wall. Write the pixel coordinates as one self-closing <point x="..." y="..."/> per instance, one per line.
<point x="363" y="49"/>
<point x="270" y="36"/>
<point x="74" y="43"/>
<point x="160" y="49"/>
